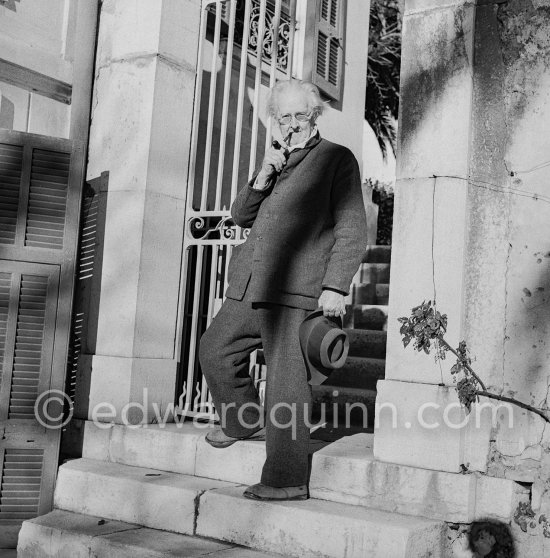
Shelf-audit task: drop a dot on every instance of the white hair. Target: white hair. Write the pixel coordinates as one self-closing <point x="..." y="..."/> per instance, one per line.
<point x="314" y="102"/>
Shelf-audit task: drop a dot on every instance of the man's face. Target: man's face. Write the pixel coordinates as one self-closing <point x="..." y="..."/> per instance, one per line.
<point x="293" y="103"/>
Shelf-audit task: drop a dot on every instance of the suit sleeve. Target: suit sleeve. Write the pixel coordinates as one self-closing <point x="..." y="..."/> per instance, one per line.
<point x="350" y="225"/>
<point x="247" y="203"/>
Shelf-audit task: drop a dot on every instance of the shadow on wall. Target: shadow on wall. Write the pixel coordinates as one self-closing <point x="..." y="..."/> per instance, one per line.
<point x="498" y="23"/>
<point x="428" y="84"/>
<point x="9" y="4"/>
<point x="491" y="539"/>
<point x="7" y="113"/>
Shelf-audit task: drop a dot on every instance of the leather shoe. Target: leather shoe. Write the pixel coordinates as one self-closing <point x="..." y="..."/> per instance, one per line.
<point x="262" y="492"/>
<point x="217" y="439"/>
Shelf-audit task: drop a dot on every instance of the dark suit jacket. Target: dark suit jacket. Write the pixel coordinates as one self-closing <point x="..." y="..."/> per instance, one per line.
<point x="308" y="229"/>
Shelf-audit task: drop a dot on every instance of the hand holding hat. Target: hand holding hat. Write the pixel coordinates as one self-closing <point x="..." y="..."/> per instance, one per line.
<point x="324" y="345"/>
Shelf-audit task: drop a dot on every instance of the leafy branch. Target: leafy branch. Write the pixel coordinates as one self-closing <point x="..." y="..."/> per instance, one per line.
<point x="426" y="327"/>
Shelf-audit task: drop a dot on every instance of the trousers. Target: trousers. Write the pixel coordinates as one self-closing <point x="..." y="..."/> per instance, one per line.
<point x="239" y="328"/>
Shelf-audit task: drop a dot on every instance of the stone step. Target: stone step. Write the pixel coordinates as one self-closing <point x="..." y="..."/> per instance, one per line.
<point x="358" y="372"/>
<point x="368" y="316"/>
<point x="143" y="496"/>
<point x="374" y="273"/>
<point x="63" y="534"/>
<point x="367" y="343"/>
<point x="362" y="343"/>
<point x="343" y="407"/>
<point x="317" y="528"/>
<point x="371" y="293"/>
<point x="377" y="254"/>
<point x="344" y="471"/>
<point x="307" y="528"/>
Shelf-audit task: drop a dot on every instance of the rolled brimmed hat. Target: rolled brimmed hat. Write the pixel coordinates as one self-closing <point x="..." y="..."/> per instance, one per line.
<point x="324" y="345"/>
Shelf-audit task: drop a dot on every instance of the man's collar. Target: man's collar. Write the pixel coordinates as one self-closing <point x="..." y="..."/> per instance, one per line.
<point x="301" y="145"/>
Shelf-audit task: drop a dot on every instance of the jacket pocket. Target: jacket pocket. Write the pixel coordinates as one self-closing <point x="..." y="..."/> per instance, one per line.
<point x="303" y="273"/>
<point x="234" y="261"/>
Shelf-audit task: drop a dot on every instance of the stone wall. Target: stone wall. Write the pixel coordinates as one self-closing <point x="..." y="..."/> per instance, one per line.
<point x="39" y="36"/>
<point x="472" y="228"/>
<point x="511" y="146"/>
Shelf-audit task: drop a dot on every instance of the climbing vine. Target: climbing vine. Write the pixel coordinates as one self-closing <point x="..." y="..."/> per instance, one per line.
<point x="426" y="328"/>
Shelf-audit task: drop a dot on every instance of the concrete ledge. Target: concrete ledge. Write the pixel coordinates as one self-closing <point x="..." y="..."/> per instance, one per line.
<point x="147" y="497"/>
<point x="316" y="528"/>
<point x="424" y="425"/>
<point x="347" y="472"/>
<point x="175" y="448"/>
<point x="344" y="471"/>
<point x="62" y="534"/>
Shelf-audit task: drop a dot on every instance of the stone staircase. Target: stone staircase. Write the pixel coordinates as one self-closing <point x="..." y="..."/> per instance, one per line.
<point x="162" y="491"/>
<point x="365" y="322"/>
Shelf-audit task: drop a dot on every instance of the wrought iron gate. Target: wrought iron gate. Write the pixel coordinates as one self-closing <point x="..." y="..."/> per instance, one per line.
<point x="245" y="46"/>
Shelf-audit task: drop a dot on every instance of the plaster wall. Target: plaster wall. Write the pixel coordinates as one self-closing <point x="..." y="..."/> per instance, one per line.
<point x="472" y="225"/>
<point x="141" y="118"/>
<point x="35" y="23"/>
<point x="39" y="36"/>
<point x="344" y="124"/>
<point x="508" y="293"/>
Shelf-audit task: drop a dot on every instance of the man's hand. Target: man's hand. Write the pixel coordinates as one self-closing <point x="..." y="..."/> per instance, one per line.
<point x="273" y="162"/>
<point x="332" y="303"/>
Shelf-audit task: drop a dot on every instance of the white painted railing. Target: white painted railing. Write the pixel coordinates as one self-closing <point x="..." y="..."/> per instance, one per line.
<point x="245" y="46"/>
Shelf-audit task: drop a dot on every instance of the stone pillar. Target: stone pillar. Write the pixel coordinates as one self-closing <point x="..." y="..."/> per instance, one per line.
<point x="140" y="133"/>
<point x="467" y="228"/>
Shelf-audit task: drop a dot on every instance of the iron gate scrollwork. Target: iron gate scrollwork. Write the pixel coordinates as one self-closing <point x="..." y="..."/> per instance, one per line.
<point x="230" y="134"/>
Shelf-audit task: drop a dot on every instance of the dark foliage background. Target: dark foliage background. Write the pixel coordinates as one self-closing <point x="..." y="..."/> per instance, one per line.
<point x="384" y="65"/>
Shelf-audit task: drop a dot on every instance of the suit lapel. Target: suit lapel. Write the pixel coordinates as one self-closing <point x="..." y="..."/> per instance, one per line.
<point x="298" y="155"/>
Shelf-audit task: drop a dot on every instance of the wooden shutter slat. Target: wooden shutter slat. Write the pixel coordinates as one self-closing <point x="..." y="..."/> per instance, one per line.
<point x="47" y="200"/>
<point x="7" y="215"/>
<point x="51" y="167"/>
<point x="41" y="225"/>
<point x="21" y="493"/>
<point x="20" y="484"/>
<point x="10" y="161"/>
<point x="10" y="172"/>
<point x="10" y="148"/>
<point x="51" y="157"/>
<point x="10" y="157"/>
<point x="50" y="197"/>
<point x="36" y="244"/>
<point x="47" y="222"/>
<point x="50" y="187"/>
<point x="11" y="165"/>
<point x="50" y="214"/>
<point x="333" y="62"/>
<point x="28" y="336"/>
<point x="44" y="180"/>
<point x="334" y="13"/>
<point x="4" y="235"/>
<point x="41" y="182"/>
<point x="22" y="383"/>
<point x="325" y="9"/>
<point x="28" y="348"/>
<point x="329" y="60"/>
<point x="26" y="375"/>
<point x="322" y="47"/>
<point x="44" y="239"/>
<point x="9" y="198"/>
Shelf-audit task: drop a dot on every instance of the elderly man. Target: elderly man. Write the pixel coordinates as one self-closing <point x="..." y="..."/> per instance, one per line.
<point x="308" y="234"/>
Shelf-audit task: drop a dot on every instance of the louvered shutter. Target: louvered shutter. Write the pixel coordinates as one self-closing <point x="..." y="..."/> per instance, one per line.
<point x="87" y="288"/>
<point x="40" y="191"/>
<point x="328" y="59"/>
